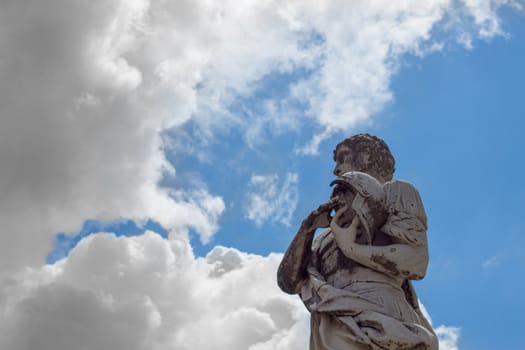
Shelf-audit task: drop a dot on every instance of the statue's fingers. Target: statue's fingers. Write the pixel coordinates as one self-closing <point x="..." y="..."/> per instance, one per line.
<point x="329" y="205"/>
<point x="339" y="201"/>
<point x="335" y="220"/>
<point x="334" y="226"/>
<point x="340" y="212"/>
<point x="336" y="200"/>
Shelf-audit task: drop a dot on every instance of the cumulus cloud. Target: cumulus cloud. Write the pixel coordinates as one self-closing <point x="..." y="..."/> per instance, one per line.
<point x="82" y="115"/>
<point x="146" y="292"/>
<point x="269" y="201"/>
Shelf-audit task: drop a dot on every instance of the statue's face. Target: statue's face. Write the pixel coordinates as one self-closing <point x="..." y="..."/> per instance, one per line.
<point x="343" y="161"/>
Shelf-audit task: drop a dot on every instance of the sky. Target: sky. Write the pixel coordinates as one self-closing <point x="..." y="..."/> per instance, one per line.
<point x="157" y="158"/>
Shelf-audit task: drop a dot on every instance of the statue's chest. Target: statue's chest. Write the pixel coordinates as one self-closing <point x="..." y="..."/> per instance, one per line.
<point x="330" y="261"/>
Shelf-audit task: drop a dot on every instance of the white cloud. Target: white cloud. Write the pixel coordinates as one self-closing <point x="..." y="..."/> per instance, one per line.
<point x="485" y="15"/>
<point x="146" y="292"/>
<point x="83" y="110"/>
<point x="266" y="200"/>
<point x="448" y="337"/>
<point x="465" y="39"/>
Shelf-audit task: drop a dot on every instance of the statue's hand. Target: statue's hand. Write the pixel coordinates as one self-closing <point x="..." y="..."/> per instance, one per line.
<point x="350" y="232"/>
<point x="320" y="217"/>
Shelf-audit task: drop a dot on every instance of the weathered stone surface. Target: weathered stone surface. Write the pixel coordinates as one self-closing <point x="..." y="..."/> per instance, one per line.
<point x="355" y="277"/>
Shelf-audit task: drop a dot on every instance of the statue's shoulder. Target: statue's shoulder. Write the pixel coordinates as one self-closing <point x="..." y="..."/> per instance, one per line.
<point x="406" y="221"/>
<point x="403" y="197"/>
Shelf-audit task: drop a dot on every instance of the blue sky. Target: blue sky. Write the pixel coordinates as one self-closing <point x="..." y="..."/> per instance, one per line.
<point x="212" y="154"/>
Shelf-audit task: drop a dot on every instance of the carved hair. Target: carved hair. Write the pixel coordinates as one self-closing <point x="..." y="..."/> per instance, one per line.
<point x="380" y="163"/>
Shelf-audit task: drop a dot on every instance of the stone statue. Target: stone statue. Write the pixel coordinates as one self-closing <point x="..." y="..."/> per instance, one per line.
<point x="355" y="277"/>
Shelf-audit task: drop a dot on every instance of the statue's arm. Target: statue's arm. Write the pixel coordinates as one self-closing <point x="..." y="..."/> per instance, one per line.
<point x="292" y="270"/>
<point x="397" y="260"/>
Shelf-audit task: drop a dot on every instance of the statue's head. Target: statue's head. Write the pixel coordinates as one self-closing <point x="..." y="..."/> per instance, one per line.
<point x="365" y="153"/>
